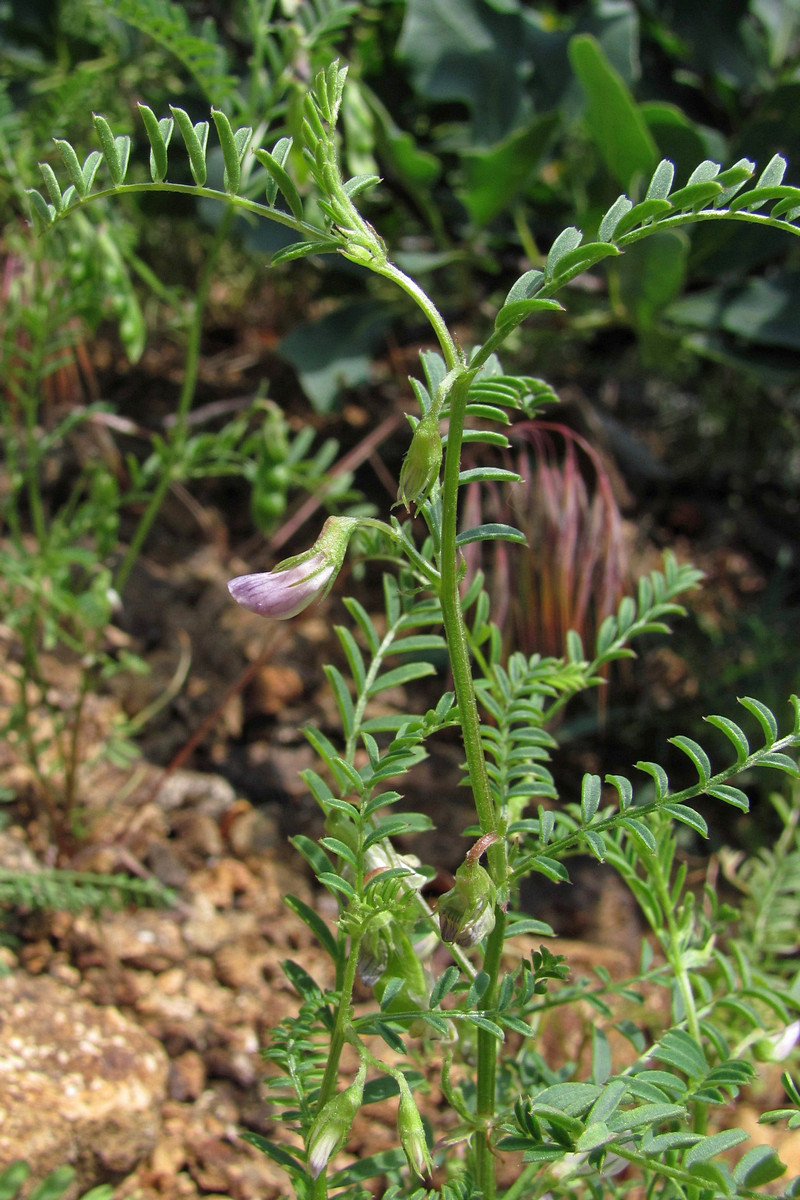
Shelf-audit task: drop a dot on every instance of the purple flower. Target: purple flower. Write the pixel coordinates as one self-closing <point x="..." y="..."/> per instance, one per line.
<point x="283" y="594"/>
<point x="296" y="582"/>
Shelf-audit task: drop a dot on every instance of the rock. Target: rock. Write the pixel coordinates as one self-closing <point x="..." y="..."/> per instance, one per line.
<point x="210" y="794"/>
<point x="187" y="1076"/>
<point x="252" y="831"/>
<point x="198" y="834"/>
<point x="78" y="1084"/>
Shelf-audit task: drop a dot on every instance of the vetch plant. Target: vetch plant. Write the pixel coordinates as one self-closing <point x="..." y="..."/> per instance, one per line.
<point x="647" y="1112"/>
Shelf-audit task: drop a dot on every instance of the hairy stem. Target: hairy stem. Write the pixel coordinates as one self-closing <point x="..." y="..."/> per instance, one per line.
<point x="488" y="817"/>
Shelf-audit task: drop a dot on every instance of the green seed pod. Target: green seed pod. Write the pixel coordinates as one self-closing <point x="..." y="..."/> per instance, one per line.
<point x="466" y="912"/>
<point x="332" y="1125"/>
<point x="412" y="1132"/>
<point x="422" y="463"/>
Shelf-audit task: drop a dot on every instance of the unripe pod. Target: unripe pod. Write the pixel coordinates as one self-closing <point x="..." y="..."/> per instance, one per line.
<point x="466" y="912"/>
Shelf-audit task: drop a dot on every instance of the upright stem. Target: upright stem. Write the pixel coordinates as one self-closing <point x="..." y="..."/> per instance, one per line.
<point x="488" y="816"/>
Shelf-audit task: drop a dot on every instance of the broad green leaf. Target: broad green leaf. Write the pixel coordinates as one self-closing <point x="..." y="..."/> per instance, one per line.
<point x="615" y="123"/>
<point x="494" y="177"/>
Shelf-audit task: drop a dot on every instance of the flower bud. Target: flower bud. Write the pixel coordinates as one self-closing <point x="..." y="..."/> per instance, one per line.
<point x="332" y="1125"/>
<point x="466" y="912"/>
<point x="422" y="463"/>
<point x="412" y="1132"/>
<point x="295" y="582"/>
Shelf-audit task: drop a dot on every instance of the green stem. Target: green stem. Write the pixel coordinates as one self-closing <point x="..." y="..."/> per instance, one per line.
<point x="180" y="428"/>
<point x="488" y="817"/>
<point x="341" y="1026"/>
